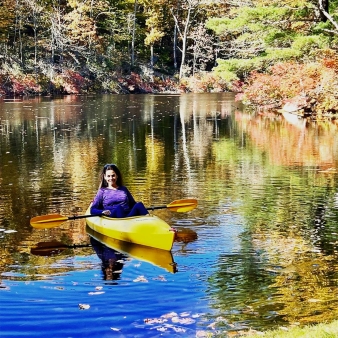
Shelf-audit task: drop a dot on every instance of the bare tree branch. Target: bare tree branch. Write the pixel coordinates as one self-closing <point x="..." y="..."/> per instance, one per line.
<point x="327" y="15"/>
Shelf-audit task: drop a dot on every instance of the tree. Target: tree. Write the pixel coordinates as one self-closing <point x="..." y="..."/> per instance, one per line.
<point x="7" y="14"/>
<point x="201" y="48"/>
<point x="188" y="7"/>
<point x="133" y="35"/>
<point x="255" y="36"/>
<point x="81" y="26"/>
<point x="154" y="13"/>
<point x="33" y="19"/>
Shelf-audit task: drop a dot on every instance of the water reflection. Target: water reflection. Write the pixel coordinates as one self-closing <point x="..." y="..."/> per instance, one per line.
<point x="259" y="251"/>
<point x="112" y="260"/>
<point x="53" y="248"/>
<point x="114" y="247"/>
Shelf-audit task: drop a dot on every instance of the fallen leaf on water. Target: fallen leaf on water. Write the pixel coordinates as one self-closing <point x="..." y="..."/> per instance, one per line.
<point x="115" y="329"/>
<point x="169" y="315"/>
<point x="161" y="278"/>
<point x="196" y="315"/>
<point x="84" y="306"/>
<point x="140" y="279"/>
<point x="186" y="321"/>
<point x="155" y="321"/>
<point x="162" y="329"/>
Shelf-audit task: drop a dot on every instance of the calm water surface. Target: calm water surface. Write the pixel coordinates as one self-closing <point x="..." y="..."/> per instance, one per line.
<point x="259" y="251"/>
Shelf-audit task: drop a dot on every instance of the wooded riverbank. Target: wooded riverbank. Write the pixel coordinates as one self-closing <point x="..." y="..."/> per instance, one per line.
<point x="275" y="55"/>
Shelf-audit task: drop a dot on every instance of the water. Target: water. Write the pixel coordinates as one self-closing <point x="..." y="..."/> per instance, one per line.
<point x="258" y="252"/>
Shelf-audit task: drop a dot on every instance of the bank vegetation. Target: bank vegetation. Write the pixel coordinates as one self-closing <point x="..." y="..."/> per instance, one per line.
<point x="275" y="54"/>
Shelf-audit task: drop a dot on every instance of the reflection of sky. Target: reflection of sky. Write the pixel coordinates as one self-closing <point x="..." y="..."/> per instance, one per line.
<point x="252" y="177"/>
<point x="124" y="304"/>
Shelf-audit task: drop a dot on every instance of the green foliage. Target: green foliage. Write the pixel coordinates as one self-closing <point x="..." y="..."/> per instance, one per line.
<point x="305" y="44"/>
<point x="97" y="39"/>
<point x="258" y="36"/>
<point x="241" y="68"/>
<point x="276" y="37"/>
<point x="218" y="25"/>
<point x="248" y="19"/>
<point x="310" y="331"/>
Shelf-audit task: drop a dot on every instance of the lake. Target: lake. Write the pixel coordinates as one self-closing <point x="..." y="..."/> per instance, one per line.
<point x="258" y="252"/>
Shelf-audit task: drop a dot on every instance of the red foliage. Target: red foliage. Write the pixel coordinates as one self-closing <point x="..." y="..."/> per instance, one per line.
<point x="331" y="63"/>
<point x="316" y="81"/>
<point x="23" y="85"/>
<point x="73" y="82"/>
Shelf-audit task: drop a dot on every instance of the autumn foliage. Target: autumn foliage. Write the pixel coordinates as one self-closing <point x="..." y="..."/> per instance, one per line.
<point x="316" y="82"/>
<point x="19" y="84"/>
<point x="204" y="83"/>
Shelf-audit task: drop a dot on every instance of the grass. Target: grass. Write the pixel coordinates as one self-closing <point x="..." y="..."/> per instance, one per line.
<point x="311" y="331"/>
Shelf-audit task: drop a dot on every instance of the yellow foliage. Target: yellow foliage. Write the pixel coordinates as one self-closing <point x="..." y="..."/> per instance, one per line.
<point x="154" y="36"/>
<point x="283" y="3"/>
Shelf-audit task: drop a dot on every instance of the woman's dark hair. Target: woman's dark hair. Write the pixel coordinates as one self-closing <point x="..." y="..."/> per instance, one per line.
<point x="119" y="180"/>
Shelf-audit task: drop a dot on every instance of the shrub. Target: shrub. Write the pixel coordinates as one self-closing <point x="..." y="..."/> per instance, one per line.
<point x="316" y="81"/>
<point x="206" y="82"/>
<point x="71" y="82"/>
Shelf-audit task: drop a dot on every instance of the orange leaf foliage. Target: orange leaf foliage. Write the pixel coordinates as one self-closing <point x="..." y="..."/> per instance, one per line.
<point x="315" y="80"/>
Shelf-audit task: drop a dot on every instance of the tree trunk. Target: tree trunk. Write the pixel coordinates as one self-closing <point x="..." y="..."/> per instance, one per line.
<point x="184" y="41"/>
<point x="325" y="6"/>
<point x="152" y="57"/>
<point x="133" y="36"/>
<point x="175" y="40"/>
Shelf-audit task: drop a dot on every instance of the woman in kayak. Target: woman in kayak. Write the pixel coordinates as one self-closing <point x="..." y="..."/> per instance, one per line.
<point x="113" y="199"/>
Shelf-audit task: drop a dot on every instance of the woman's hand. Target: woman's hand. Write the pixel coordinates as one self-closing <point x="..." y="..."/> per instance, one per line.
<point x="106" y="212"/>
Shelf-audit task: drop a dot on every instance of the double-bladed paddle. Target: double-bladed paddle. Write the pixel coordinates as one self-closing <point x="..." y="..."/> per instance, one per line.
<point x="54" y="220"/>
<point x="53" y="248"/>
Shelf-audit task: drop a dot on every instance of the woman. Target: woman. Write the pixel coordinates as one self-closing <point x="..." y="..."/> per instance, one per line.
<point x="113" y="199"/>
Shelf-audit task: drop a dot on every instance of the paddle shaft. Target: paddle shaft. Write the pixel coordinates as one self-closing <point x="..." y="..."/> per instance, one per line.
<point x="86" y="216"/>
<point x="157" y="207"/>
<point x="54" y="220"/>
<point x="81" y="216"/>
<point x="148" y="208"/>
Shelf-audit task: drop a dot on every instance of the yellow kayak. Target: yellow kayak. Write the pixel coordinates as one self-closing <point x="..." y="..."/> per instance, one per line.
<point x="158" y="257"/>
<point x="148" y="230"/>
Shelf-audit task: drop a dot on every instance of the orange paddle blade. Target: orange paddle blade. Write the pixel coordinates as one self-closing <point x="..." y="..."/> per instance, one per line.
<point x="47" y="221"/>
<point x="183" y="205"/>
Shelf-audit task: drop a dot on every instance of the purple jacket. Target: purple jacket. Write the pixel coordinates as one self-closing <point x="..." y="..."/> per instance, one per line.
<point x="109" y="199"/>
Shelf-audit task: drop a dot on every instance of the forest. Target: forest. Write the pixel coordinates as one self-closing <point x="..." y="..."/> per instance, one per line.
<point x="272" y="53"/>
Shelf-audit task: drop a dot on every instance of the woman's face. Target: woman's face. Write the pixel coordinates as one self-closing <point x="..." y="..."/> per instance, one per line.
<point x="111" y="177"/>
